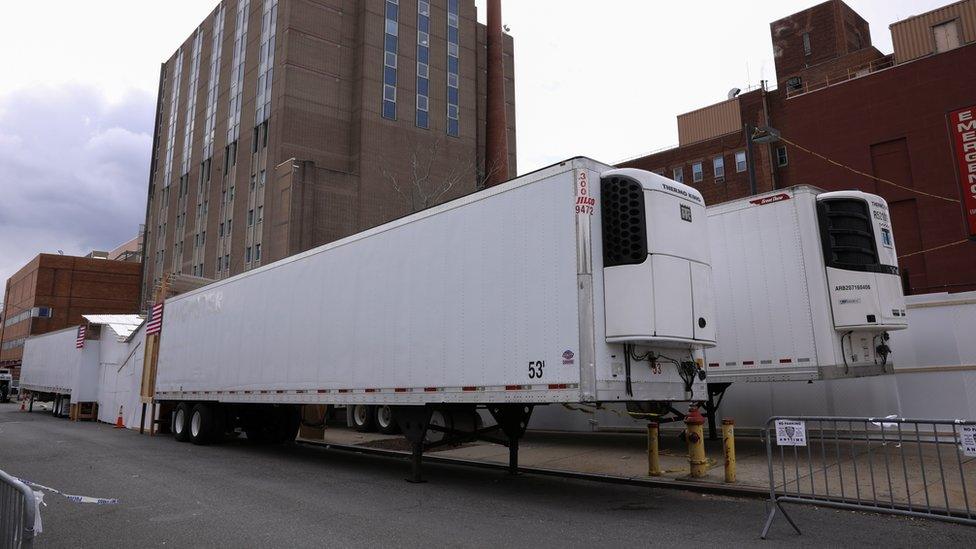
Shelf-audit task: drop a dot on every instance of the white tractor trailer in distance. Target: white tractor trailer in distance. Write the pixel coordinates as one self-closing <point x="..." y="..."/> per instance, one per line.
<point x="578" y="283"/>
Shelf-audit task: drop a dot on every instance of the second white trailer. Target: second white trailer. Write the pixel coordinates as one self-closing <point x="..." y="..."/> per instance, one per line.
<point x="807" y="286"/>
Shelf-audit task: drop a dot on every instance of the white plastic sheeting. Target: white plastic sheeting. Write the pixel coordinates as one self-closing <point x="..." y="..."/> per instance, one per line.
<point x="123" y="325"/>
<point x="120" y="377"/>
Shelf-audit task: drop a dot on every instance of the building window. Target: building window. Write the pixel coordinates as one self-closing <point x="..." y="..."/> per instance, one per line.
<point x="946" y="36"/>
<point x="262" y="176"/>
<point x="696" y="172"/>
<point x="189" y="117"/>
<point x="781" y="158"/>
<point x="174" y="103"/>
<point x="247" y="254"/>
<point x="260" y="214"/>
<point x="390" y="59"/>
<point x="257" y="252"/>
<point x="250" y="218"/>
<point x="740" y="162"/>
<point x="262" y="101"/>
<point x="423" y="68"/>
<point x="807" y="50"/>
<point x="236" y="92"/>
<point x="678" y="174"/>
<point x="718" y="167"/>
<point x="210" y="118"/>
<point x="453" y="69"/>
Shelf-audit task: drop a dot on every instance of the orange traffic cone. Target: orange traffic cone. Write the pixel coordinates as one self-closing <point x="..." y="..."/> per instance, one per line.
<point x="118" y="422"/>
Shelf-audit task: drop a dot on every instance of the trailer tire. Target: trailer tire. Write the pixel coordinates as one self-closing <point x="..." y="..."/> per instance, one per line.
<point x="180" y="422"/>
<point x="202" y="424"/>
<point x="364" y="418"/>
<point x="438" y="418"/>
<point x="385" y="422"/>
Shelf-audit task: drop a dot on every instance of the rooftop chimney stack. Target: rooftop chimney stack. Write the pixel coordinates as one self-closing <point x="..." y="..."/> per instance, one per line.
<point x="496" y="130"/>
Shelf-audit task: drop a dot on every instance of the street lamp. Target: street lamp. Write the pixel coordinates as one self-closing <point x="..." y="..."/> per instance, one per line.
<point x="754" y="134"/>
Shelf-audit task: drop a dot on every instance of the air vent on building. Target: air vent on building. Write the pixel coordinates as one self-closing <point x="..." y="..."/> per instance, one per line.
<point x="848" y="234"/>
<point x="624" y="221"/>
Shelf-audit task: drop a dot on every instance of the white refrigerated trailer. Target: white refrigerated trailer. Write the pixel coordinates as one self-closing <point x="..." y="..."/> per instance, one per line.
<point x="56" y="368"/>
<point x="576" y="283"/>
<point x="807" y="286"/>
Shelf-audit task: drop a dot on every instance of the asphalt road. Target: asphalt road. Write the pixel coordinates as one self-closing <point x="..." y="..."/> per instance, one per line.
<point x="236" y="495"/>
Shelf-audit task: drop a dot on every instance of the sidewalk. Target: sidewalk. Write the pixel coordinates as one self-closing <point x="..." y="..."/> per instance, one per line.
<point x="830" y="470"/>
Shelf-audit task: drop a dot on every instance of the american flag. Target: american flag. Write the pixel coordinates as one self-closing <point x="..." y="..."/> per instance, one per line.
<point x="80" y="340"/>
<point x="155" y="323"/>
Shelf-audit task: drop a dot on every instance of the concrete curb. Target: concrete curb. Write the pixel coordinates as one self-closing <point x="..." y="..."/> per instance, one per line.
<point x="688" y="485"/>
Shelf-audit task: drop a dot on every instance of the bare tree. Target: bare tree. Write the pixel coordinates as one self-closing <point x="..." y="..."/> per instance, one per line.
<point x="423" y="186"/>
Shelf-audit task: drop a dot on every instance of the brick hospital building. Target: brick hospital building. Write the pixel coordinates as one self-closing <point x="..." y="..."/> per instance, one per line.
<point x="840" y="98"/>
<point x="282" y="125"/>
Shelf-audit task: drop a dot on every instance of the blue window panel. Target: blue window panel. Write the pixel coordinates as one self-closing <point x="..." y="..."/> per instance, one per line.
<point x="423" y="86"/>
<point x="389" y="76"/>
<point x="452" y="96"/>
<point x="452" y="65"/>
<point x="453" y="128"/>
<point x="423" y="119"/>
<point x="423" y="24"/>
<point x="452" y="35"/>
<point x="452" y="6"/>
<point x="392" y="11"/>
<point x="389" y="110"/>
<point x="423" y="54"/>
<point x="391" y="43"/>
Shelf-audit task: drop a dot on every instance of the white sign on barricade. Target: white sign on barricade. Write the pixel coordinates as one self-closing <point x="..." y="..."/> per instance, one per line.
<point x="969" y="440"/>
<point x="791" y="432"/>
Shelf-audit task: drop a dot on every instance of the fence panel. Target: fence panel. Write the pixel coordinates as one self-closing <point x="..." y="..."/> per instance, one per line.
<point x="904" y="466"/>
<point x="17" y="513"/>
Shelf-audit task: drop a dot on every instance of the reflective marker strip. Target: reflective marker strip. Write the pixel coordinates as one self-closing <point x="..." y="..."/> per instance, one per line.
<point x="469" y="388"/>
<point x="713" y="364"/>
<point x="400" y="390"/>
<point x="785" y="360"/>
<point x="431" y="389"/>
<point x="557" y="385"/>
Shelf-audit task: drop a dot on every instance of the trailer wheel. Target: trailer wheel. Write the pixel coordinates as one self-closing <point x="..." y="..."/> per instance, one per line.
<point x="385" y="422"/>
<point x="438" y="419"/>
<point x="180" y="422"/>
<point x="364" y="418"/>
<point x="202" y="423"/>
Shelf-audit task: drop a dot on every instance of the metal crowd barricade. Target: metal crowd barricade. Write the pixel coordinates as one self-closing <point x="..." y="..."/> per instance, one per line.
<point x="17" y="513"/>
<point x="915" y="467"/>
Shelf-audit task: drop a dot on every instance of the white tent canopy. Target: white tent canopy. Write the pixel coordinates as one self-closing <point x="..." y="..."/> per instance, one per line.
<point x="123" y="325"/>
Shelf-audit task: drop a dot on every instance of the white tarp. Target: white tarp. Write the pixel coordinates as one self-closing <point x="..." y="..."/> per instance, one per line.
<point x="120" y="377"/>
<point x="122" y="325"/>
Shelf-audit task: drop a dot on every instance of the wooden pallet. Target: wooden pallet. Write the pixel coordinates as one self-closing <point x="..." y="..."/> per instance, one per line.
<point x="84" y="411"/>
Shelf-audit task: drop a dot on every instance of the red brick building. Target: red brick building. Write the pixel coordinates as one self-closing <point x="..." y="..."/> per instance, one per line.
<point x="841" y="98"/>
<point x="52" y="291"/>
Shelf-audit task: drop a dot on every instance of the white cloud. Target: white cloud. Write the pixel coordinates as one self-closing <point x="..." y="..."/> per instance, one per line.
<point x="73" y="171"/>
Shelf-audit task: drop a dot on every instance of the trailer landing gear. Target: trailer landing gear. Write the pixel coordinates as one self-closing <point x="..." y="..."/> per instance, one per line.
<point x="513" y="421"/>
<point x="414" y="422"/>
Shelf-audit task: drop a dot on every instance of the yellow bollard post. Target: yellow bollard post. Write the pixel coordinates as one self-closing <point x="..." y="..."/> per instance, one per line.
<point x="697" y="463"/>
<point x="653" y="460"/>
<point x="728" y="442"/>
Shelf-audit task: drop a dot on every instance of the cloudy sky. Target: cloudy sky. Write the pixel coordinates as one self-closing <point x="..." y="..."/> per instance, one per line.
<point x="602" y="79"/>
